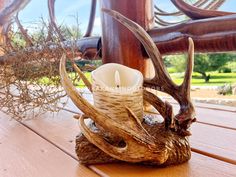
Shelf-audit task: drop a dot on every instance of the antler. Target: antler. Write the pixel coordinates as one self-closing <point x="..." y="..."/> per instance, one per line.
<point x="162" y="79"/>
<point x="91" y="18"/>
<point x="196" y="13"/>
<point x="132" y="140"/>
<point x="140" y="144"/>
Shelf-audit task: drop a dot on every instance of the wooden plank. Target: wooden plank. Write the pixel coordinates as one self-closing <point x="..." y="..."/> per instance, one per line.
<point x="214" y="141"/>
<point x="62" y="130"/>
<point x="198" y="166"/>
<point x="213" y="117"/>
<point x="25" y="154"/>
<point x="53" y="128"/>
<point x="217" y="118"/>
<point x="216" y="107"/>
<point x="205" y="105"/>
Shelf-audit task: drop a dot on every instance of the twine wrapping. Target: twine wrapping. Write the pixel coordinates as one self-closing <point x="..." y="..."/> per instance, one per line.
<point x="114" y="103"/>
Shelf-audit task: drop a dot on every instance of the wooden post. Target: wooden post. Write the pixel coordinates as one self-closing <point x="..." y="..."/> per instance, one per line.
<point x="119" y="44"/>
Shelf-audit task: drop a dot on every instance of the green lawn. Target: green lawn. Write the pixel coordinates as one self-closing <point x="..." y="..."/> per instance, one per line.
<point x="216" y="79"/>
<point x="77" y="82"/>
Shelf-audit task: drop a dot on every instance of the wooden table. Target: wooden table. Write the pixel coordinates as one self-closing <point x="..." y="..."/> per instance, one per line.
<point x="44" y="147"/>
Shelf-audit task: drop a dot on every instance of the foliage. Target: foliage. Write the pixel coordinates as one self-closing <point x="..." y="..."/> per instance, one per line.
<point x="217" y="79"/>
<point x="71" y="32"/>
<point x="171" y="70"/>
<point x="224" y="70"/>
<point x="178" y="62"/>
<point x="232" y="65"/>
<point x="203" y="63"/>
<point x="210" y="62"/>
<point x="29" y="79"/>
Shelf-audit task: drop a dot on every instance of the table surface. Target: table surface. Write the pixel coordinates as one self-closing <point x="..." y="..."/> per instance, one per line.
<point x="45" y="146"/>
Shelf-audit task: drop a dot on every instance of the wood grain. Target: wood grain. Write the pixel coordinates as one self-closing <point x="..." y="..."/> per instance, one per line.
<point x="198" y="166"/>
<point x="119" y="45"/>
<point x="25" y="154"/>
<point x="209" y="35"/>
<point x="220" y="118"/>
<point x="197" y="13"/>
<point x="214" y="141"/>
<point x="217" y="107"/>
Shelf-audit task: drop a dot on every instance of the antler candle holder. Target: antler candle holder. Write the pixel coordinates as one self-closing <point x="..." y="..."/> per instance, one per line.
<point x="130" y="139"/>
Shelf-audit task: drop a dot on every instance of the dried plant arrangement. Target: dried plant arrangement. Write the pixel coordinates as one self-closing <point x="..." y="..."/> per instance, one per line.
<point x="29" y="69"/>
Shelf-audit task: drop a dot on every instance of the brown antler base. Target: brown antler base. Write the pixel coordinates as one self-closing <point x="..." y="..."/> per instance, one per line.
<point x="178" y="146"/>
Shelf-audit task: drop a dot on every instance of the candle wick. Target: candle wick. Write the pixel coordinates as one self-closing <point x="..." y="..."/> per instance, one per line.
<point x="117" y="79"/>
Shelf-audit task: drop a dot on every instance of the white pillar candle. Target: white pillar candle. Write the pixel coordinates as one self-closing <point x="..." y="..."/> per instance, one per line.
<point x="116" y="86"/>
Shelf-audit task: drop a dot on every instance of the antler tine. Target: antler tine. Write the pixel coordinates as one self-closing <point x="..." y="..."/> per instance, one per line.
<point x="78" y="100"/>
<point x="27" y="38"/>
<point x="186" y="115"/>
<point x="196" y="13"/>
<point x="51" y="9"/>
<point x="186" y="85"/>
<point x="11" y="10"/>
<point x="82" y="76"/>
<point x="91" y="18"/>
<point x="150" y="48"/>
<point x="164" y="108"/>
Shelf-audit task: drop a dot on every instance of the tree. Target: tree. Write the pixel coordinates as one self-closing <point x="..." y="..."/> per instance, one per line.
<point x="210" y="62"/>
<point x="178" y="62"/>
<point x="203" y="63"/>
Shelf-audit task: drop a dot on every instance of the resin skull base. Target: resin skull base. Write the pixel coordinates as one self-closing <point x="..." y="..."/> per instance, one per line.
<point x="178" y="146"/>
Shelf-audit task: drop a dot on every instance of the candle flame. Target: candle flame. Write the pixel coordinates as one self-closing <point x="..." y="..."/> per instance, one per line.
<point x="117" y="79"/>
